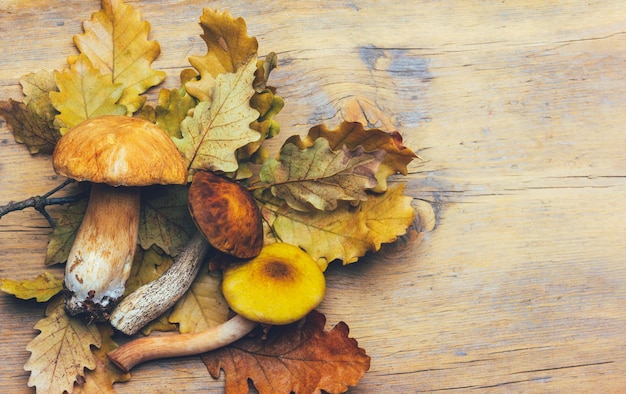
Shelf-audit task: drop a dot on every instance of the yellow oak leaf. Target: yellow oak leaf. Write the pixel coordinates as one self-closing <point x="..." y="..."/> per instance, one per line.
<point x="346" y="233"/>
<point x="203" y="306"/>
<point x="147" y="266"/>
<point x="101" y="379"/>
<point x="116" y="42"/>
<point x="61" y="351"/>
<point x="84" y="92"/>
<point x="228" y="47"/>
<point x="217" y="129"/>
<point x="353" y="134"/>
<point x="42" y="288"/>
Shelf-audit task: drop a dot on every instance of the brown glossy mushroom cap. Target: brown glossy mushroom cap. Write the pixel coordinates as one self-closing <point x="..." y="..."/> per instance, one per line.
<point x="119" y="151"/>
<point x="279" y="286"/>
<point x="226" y="214"/>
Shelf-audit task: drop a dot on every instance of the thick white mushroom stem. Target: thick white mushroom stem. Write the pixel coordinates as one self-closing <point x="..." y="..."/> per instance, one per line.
<point x="102" y="254"/>
<point x="152" y="299"/>
<point x="177" y="345"/>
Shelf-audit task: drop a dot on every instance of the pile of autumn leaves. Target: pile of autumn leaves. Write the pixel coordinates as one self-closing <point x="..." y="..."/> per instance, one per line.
<point x="326" y="193"/>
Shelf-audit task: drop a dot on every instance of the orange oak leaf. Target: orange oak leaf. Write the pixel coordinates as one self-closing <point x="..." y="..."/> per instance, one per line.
<point x="298" y="358"/>
<point x="353" y="134"/>
<point x="228" y="47"/>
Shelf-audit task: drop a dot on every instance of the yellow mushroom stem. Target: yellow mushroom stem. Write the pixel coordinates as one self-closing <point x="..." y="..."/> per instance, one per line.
<point x="178" y="345"/>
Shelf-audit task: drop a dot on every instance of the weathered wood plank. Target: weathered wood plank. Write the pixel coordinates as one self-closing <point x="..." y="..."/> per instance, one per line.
<point x="516" y="108"/>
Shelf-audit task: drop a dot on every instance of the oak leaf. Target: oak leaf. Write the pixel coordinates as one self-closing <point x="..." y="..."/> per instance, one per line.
<point x="29" y="128"/>
<point x="172" y="108"/>
<point x="42" y="288"/>
<point x="318" y="176"/>
<point x="147" y="266"/>
<point x="115" y="40"/>
<point x="61" y="352"/>
<point x="84" y="92"/>
<point x="32" y="121"/>
<point x="228" y="47"/>
<point x="346" y="233"/>
<point x="299" y="358"/>
<point x="164" y="218"/>
<point x="203" y="306"/>
<point x="64" y="232"/>
<point x="353" y="134"/>
<point x="101" y="379"/>
<point x="217" y="129"/>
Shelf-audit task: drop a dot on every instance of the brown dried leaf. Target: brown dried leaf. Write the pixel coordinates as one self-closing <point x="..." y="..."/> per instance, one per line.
<point x="61" y="351"/>
<point x="318" y="177"/>
<point x="353" y="134"/>
<point x="299" y="358"/>
<point x="29" y="127"/>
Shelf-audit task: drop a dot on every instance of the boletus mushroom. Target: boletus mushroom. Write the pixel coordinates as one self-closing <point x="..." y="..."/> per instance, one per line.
<point x="227" y="217"/>
<point x="118" y="154"/>
<point x="279" y="286"/>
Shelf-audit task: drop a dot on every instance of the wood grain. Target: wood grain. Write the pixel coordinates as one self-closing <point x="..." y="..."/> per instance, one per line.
<point x="517" y="109"/>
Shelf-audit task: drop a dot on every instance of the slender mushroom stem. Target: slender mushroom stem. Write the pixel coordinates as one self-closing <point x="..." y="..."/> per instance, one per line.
<point x="101" y="257"/>
<point x="177" y="345"/>
<point x="153" y="299"/>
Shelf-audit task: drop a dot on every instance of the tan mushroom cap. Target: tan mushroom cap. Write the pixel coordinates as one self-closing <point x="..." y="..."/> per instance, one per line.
<point x="119" y="151"/>
<point x="279" y="286"/>
<point x="226" y="214"/>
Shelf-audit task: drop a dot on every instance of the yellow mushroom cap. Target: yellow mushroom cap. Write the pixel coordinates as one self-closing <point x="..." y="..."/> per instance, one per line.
<point x="119" y="151"/>
<point x="279" y="286"/>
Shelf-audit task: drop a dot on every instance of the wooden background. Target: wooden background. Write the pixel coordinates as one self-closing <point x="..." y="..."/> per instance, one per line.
<point x="517" y="108"/>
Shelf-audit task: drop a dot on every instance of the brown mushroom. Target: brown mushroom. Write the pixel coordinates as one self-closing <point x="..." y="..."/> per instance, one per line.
<point x="227" y="217"/>
<point x="117" y="154"/>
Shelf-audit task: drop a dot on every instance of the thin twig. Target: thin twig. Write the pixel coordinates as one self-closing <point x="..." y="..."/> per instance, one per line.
<point x="41" y="202"/>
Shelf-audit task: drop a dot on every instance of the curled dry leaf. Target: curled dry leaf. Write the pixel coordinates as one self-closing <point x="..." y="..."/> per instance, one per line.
<point x="32" y="121"/>
<point x="353" y="134"/>
<point x="317" y="176"/>
<point x="299" y="358"/>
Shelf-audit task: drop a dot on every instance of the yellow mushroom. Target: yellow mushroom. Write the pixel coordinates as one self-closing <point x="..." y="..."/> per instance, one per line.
<point x="279" y="286"/>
